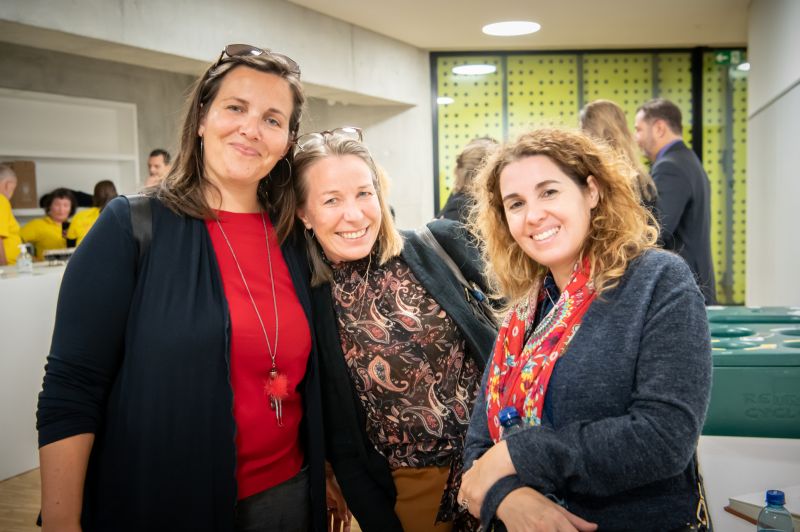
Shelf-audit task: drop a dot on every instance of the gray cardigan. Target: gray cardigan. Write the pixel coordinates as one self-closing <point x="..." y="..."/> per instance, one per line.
<point x="624" y="407"/>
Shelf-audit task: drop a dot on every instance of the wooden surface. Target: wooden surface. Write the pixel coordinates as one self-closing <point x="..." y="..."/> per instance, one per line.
<point x="19" y="503"/>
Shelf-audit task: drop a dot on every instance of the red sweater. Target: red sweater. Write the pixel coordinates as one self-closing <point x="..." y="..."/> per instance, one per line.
<point x="266" y="453"/>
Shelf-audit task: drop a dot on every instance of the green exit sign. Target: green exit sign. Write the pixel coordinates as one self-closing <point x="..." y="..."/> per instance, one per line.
<point x="729" y="57"/>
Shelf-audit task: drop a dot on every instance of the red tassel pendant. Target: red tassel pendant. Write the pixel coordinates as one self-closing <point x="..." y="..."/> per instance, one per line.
<point x="276" y="388"/>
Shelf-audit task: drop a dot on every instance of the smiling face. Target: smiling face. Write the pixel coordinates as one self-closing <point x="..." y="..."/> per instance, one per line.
<point x="548" y="214"/>
<point x="245" y="130"/>
<point x="59" y="209"/>
<point x="341" y="207"/>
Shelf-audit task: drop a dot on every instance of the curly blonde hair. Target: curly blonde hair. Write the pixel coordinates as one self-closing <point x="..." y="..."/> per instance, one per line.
<point x="620" y="227"/>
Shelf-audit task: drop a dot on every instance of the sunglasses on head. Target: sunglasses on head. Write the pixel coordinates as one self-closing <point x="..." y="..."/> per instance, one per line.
<point x="244" y="50"/>
<point x="347" y="132"/>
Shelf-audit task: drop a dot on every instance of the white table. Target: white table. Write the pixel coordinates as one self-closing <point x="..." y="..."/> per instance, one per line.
<point x="27" y="314"/>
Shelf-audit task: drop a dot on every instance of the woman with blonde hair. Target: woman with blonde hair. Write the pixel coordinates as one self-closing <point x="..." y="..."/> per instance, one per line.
<point x="401" y="349"/>
<point x="604" y="353"/>
<point x="604" y="120"/>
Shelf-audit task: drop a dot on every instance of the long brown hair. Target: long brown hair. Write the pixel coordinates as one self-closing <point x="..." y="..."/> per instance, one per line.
<point x="605" y="120"/>
<point x="620" y="228"/>
<point x="389" y="242"/>
<point x="183" y="190"/>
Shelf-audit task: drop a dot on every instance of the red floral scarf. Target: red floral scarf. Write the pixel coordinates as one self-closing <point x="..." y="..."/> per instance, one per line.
<point x="520" y="370"/>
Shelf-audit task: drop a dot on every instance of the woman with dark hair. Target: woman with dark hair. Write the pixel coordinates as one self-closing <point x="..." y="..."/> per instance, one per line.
<point x="104" y="191"/>
<point x="468" y="163"/>
<point x="401" y="350"/>
<point x="49" y="231"/>
<point x="604" y="354"/>
<point x="181" y="390"/>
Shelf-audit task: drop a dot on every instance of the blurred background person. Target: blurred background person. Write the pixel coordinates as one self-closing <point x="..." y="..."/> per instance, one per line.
<point x="401" y="351"/>
<point x="605" y="120"/>
<point x="159" y="164"/>
<point x="50" y="231"/>
<point x="104" y="191"/>
<point x="684" y="191"/>
<point x="9" y="228"/>
<point x="468" y="163"/>
<point x="181" y="390"/>
<point x="604" y="353"/>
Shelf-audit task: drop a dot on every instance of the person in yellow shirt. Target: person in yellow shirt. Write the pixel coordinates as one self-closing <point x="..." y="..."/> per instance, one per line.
<point x="9" y="228"/>
<point x="104" y="191"/>
<point x="49" y="232"/>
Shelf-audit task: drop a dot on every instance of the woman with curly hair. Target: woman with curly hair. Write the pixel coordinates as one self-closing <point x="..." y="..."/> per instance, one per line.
<point x="604" y="352"/>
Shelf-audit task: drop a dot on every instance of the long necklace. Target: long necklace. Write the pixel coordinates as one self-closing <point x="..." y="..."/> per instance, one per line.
<point x="360" y="285"/>
<point x="276" y="388"/>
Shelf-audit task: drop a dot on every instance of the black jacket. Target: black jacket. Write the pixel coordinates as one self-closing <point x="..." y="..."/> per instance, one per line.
<point x="140" y="357"/>
<point x="684" y="211"/>
<point x="362" y="472"/>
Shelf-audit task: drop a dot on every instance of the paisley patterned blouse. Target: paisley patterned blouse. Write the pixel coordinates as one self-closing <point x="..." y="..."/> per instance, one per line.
<point x="406" y="360"/>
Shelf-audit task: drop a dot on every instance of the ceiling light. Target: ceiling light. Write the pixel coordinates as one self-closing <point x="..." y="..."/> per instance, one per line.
<point x="474" y="70"/>
<point x="744" y="67"/>
<point x="511" y="28"/>
<point x="444" y="100"/>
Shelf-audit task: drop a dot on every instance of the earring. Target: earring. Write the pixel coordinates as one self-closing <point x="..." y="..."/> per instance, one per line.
<point x="309" y="232"/>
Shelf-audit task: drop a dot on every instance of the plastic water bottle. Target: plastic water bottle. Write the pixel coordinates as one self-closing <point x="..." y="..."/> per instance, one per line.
<point x="24" y="260"/>
<point x="510" y="421"/>
<point x="775" y="517"/>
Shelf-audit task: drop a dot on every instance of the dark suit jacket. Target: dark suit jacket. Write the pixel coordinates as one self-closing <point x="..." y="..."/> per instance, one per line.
<point x="684" y="212"/>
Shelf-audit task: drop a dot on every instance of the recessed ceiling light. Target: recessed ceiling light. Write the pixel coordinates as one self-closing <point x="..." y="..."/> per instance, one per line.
<point x="744" y="67"/>
<point x="444" y="100"/>
<point x="474" y="70"/>
<point x="511" y="28"/>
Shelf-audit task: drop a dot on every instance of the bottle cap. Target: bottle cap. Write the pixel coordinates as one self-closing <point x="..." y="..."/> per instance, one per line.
<point x="776" y="497"/>
<point x="508" y="416"/>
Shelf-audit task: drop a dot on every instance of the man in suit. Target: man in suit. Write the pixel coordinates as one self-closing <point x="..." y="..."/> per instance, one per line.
<point x="683" y="189"/>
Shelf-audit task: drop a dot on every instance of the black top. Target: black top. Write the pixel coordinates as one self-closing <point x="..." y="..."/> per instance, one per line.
<point x="684" y="212"/>
<point x="141" y="360"/>
<point x="362" y="472"/>
<point x="456" y="208"/>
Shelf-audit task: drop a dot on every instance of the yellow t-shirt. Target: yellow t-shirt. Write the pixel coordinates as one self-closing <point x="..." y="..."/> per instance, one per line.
<point x="9" y="230"/>
<point x="44" y="233"/>
<point x="81" y="223"/>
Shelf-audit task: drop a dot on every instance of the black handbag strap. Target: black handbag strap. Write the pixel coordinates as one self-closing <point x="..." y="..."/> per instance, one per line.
<point x="473" y="294"/>
<point x="141" y="222"/>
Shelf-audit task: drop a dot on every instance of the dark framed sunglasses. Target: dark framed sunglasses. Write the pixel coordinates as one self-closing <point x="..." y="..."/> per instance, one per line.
<point x="346" y="132"/>
<point x="244" y="50"/>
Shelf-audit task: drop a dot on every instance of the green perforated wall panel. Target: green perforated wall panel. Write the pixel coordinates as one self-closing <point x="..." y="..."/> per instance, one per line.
<point x="625" y="79"/>
<point x="542" y="92"/>
<point x="725" y="161"/>
<point x="477" y="111"/>
<point x="674" y="82"/>
<point x="532" y="90"/>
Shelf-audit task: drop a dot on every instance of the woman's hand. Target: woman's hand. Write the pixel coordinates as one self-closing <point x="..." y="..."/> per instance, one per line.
<point x="339" y="516"/>
<point x="527" y="510"/>
<point x="483" y="474"/>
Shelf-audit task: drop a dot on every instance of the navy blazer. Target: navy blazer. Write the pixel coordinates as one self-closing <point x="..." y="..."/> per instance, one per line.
<point x="684" y="211"/>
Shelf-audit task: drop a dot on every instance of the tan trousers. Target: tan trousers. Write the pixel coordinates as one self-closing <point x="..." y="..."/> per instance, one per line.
<point x="419" y="492"/>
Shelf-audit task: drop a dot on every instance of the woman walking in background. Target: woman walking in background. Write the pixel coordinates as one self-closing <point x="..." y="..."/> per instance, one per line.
<point x="604" y="120"/>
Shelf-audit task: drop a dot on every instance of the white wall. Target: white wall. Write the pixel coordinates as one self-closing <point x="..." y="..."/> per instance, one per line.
<point x="773" y="189"/>
<point x="385" y="82"/>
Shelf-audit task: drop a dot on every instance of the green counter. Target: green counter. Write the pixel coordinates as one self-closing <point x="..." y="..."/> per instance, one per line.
<point x="756" y="386"/>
